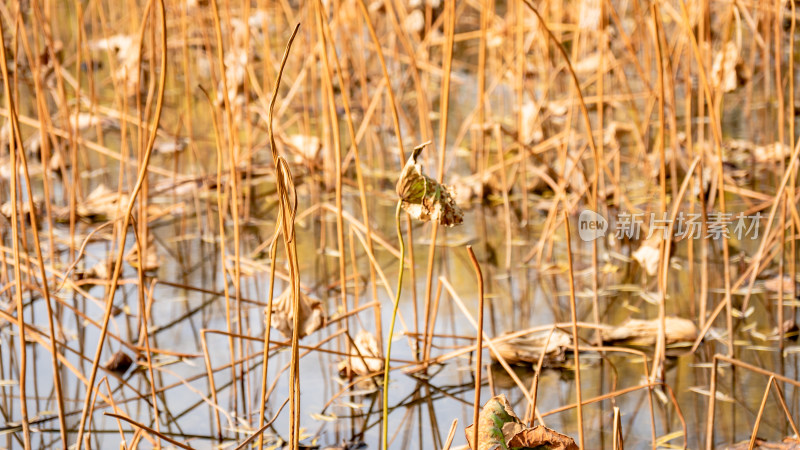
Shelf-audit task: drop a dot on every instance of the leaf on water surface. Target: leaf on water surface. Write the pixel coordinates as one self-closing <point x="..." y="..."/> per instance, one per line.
<point x="723" y="71"/>
<point x="369" y="360"/>
<point x="790" y="330"/>
<point x="531" y="130"/>
<point x="774" y="284"/>
<point x="324" y="417"/>
<point x="528" y="349"/>
<point x="719" y="395"/>
<point x="170" y="146"/>
<point x="84" y="121"/>
<point x="312" y="314"/>
<point x="101" y="204"/>
<point x="538" y="437"/>
<point x="788" y="443"/>
<point x="648" y="255"/>
<point x="645" y="332"/>
<point x="6" y="208"/>
<point x="424" y="198"/>
<point x="771" y="153"/>
<point x="500" y="428"/>
<point x="151" y="261"/>
<point x="305" y="147"/>
<point x="118" y="363"/>
<point x="126" y="50"/>
<point x="414" y="22"/>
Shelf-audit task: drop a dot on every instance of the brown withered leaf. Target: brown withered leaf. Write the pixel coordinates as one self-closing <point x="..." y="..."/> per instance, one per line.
<point x="125" y="49"/>
<point x="495" y="414"/>
<point x="774" y="284"/>
<point x="645" y="332"/>
<point x="102" y="204"/>
<point x="528" y="349"/>
<point x="648" y="254"/>
<point x="771" y="153"/>
<point x="305" y="148"/>
<point x="151" y="256"/>
<point x="501" y="429"/>
<point x="312" y="314"/>
<point x="531" y="130"/>
<point x="424" y="198"/>
<point x="538" y="437"/>
<point x="364" y="357"/>
<point x="723" y="71"/>
<point x="118" y="363"/>
<point x="788" y="443"/>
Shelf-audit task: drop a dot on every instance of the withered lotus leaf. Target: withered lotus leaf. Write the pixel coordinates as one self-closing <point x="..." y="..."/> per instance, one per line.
<point x="501" y="429"/>
<point x="424" y="198"/>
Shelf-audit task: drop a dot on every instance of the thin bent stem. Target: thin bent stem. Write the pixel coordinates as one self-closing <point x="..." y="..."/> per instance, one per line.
<point x="385" y="415"/>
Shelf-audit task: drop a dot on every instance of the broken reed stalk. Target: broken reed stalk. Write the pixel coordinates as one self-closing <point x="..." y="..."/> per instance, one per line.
<point x="774" y="377"/>
<point x="357" y="161"/>
<point x="451" y="434"/>
<point x="793" y="181"/>
<point x="395" y="116"/>
<point x="283" y="178"/>
<point x="144" y="315"/>
<point x="385" y="410"/>
<point x="223" y="256"/>
<point x="753" y="435"/>
<point x="476" y="407"/>
<point x="273" y="253"/>
<point x="590" y="139"/>
<point x="327" y="82"/>
<point x="127" y="217"/>
<point x="573" y="315"/>
<point x="234" y="203"/>
<point x="717" y="135"/>
<point x="658" y="358"/>
<point x="444" y="111"/>
<point x="617" y="431"/>
<point x="148" y="429"/>
<point x="16" y="143"/>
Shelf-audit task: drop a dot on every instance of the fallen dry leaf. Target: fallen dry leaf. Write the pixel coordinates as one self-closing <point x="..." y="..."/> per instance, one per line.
<point x="528" y="349"/>
<point x="647" y="255"/>
<point x="774" y="284"/>
<point x="364" y="357"/>
<point x="306" y="147"/>
<point x="126" y="50"/>
<point x="151" y="262"/>
<point x="771" y="153"/>
<point x="788" y="443"/>
<point x="22" y="207"/>
<point x="645" y="332"/>
<point x="500" y="428"/>
<point x="414" y="22"/>
<point x="102" y="203"/>
<point x="312" y="314"/>
<point x="531" y="125"/>
<point x="170" y="146"/>
<point x="538" y="437"/>
<point x="723" y="71"/>
<point x="118" y="363"/>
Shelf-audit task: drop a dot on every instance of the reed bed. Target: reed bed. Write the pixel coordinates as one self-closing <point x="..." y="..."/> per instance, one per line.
<point x="204" y="203"/>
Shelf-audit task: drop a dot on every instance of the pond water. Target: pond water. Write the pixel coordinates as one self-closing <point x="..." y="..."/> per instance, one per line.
<point x="519" y="238"/>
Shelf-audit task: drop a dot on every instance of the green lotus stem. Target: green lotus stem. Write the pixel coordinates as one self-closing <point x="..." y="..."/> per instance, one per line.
<point x="391" y="329"/>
